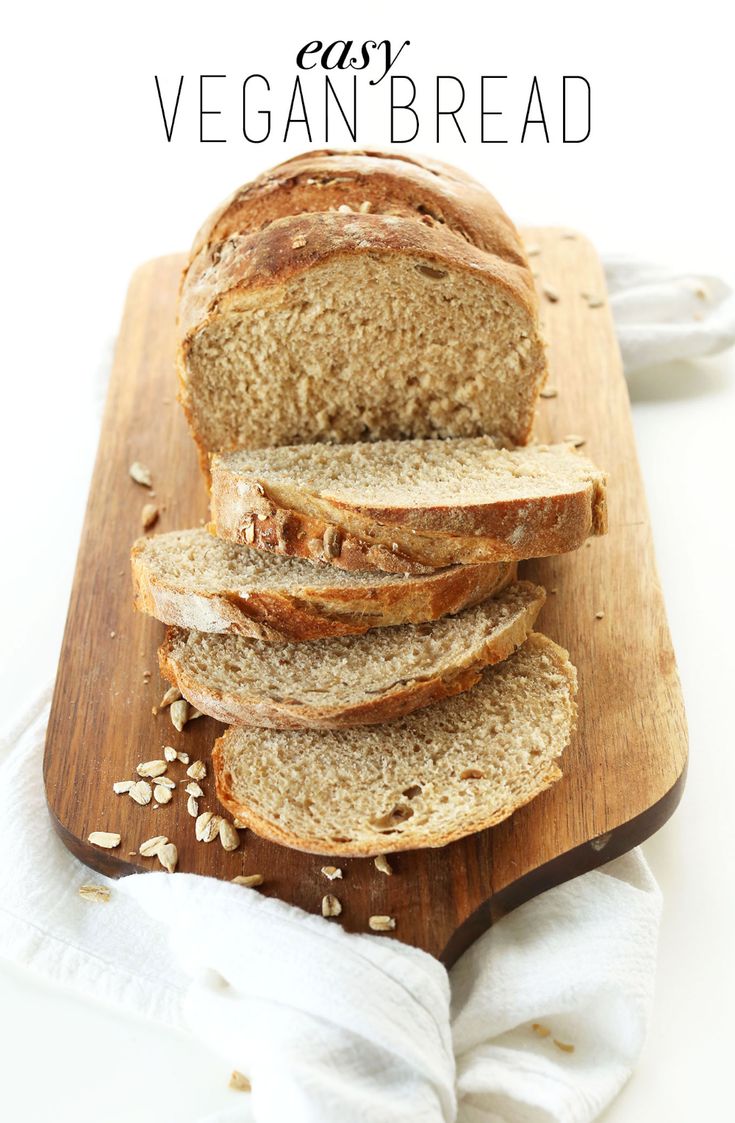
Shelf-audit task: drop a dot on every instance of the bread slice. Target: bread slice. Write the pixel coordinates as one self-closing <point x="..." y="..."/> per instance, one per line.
<point x="441" y="773"/>
<point x="401" y="506"/>
<point x="351" y="680"/>
<point x="192" y="579"/>
<point x="353" y="296"/>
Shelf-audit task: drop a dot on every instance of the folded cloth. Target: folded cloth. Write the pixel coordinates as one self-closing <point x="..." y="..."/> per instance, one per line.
<point x="540" y="1022"/>
<point x="329" y="1026"/>
<point x="661" y="315"/>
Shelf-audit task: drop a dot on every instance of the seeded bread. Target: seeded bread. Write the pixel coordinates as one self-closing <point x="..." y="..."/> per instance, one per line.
<point x="192" y="579"/>
<point x="405" y="506"/>
<point x="346" y="297"/>
<point x="351" y="680"/>
<point x="425" y="780"/>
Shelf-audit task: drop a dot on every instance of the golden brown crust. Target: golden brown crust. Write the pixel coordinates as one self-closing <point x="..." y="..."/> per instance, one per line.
<point x="402" y="699"/>
<point x="320" y="612"/>
<point x="401" y="539"/>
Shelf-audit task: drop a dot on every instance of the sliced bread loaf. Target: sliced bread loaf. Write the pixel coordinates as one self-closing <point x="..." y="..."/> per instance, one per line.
<point x="403" y="505"/>
<point x="352" y="680"/>
<point x="192" y="579"/>
<point x="353" y="296"/>
<point x="444" y="772"/>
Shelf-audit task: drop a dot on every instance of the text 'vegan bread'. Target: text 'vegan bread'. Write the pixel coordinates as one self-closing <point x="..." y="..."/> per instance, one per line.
<point x="400" y="506"/>
<point x="347" y="681"/>
<point x="441" y="773"/>
<point x="348" y="297"/>
<point x="193" y="580"/>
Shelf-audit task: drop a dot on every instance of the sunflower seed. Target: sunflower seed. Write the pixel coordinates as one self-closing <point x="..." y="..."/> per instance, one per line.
<point x="151" y="846"/>
<point x="149" y="516"/>
<point x="330" y="905"/>
<point x="141" y="792"/>
<point x="228" y="836"/>
<point x="95" y="893"/>
<point x="549" y="392"/>
<point x="179" y="711"/>
<point x="192" y="807"/>
<point x="183" y="758"/>
<point x="172" y="695"/>
<point x="108" y="840"/>
<point x="332" y="872"/>
<point x="239" y="1082"/>
<point x="599" y="615"/>
<point x="169" y="754"/>
<point x="382" y="864"/>
<point x="141" y="474"/>
<point x="152" y="768"/>
<point x="298" y="243"/>
<point x="194" y="789"/>
<point x="565" y="1048"/>
<point x="595" y="302"/>
<point x="250" y="880"/>
<point x="533" y="250"/>
<point x="575" y="439"/>
<point x="239" y="823"/>
<point x="194" y="714"/>
<point x="197" y="770"/>
<point x="344" y="208"/>
<point x="550" y="293"/>
<point x="366" y="207"/>
<point x="165" y="782"/>
<point x="382" y="923"/>
<point x="207" y="826"/>
<point x="121" y="786"/>
<point x="162" y="794"/>
<point x="168" y="856"/>
<point x="542" y="1031"/>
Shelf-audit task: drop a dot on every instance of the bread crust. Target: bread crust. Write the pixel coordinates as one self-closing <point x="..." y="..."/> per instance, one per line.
<point x="548" y="774"/>
<point x="401" y="699"/>
<point x="402" y="539"/>
<point x="280" y="226"/>
<point x="319" y="612"/>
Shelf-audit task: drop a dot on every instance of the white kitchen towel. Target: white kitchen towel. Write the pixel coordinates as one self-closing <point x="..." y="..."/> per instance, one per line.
<point x="548" y="1009"/>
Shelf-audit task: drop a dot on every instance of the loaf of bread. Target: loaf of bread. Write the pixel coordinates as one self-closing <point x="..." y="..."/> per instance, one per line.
<point x="196" y="581"/>
<point x="349" y="296"/>
<point x="403" y="506"/>
<point x="441" y="773"/>
<point x="348" y="680"/>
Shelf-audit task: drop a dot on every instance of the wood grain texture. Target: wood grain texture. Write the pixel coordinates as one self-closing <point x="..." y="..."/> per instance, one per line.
<point x="624" y="771"/>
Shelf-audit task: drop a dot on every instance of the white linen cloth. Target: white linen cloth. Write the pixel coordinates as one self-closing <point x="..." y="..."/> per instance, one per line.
<point x="337" y="1028"/>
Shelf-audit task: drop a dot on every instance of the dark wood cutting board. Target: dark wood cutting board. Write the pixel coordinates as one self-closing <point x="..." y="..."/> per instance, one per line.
<point x="624" y="771"/>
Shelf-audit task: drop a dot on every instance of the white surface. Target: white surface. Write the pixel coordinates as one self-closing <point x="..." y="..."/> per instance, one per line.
<point x="94" y="189"/>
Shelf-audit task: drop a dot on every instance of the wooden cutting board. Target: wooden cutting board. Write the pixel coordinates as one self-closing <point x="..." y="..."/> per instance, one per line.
<point x="624" y="771"/>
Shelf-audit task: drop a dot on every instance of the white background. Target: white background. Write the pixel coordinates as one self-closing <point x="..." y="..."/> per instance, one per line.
<point x="91" y="188"/>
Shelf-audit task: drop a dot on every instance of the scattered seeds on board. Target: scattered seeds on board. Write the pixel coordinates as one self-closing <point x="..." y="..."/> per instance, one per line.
<point x="382" y="923"/>
<point x="162" y="794"/>
<point x="197" y="770"/>
<point x="239" y="1082"/>
<point x="192" y="806"/>
<point x="120" y="787"/>
<point x="141" y="474"/>
<point x="179" y="712"/>
<point x="168" y="856"/>
<point x="550" y="293"/>
<point x="183" y="758"/>
<point x="330" y="905"/>
<point x="250" y="880"/>
<point x="332" y="872"/>
<point x="193" y="788"/>
<point x="95" y="893"/>
<point x="542" y="1031"/>
<point x="151" y="846"/>
<point x="108" y="840"/>
<point x="152" y="768"/>
<point x="575" y="439"/>
<point x="599" y="615"/>
<point x="228" y="836"/>
<point x="149" y="516"/>
<point x="382" y="864"/>
<point x="166" y="782"/>
<point x="172" y="695"/>
<point x="141" y="792"/>
<point x="549" y="392"/>
<point x="564" y="1046"/>
<point x="298" y="243"/>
